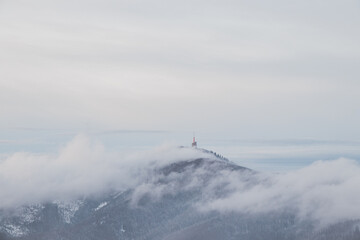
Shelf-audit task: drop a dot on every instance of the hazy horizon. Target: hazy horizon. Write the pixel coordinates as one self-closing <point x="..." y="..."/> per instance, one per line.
<point x="266" y="155"/>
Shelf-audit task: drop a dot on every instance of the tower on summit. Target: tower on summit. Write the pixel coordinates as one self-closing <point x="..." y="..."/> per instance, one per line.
<point x="194" y="143"/>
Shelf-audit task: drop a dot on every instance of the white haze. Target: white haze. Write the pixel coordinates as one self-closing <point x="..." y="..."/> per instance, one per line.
<point x="326" y="191"/>
<point x="276" y="69"/>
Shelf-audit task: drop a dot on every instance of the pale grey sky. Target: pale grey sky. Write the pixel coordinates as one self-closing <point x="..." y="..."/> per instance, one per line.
<point x="272" y="69"/>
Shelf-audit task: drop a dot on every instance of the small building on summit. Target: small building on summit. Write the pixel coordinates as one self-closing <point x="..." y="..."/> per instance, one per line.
<point x="194" y="143"/>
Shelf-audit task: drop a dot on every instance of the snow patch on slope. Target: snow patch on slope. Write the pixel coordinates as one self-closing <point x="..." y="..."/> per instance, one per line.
<point x="101" y="205"/>
<point x="68" y="209"/>
<point x="14" y="230"/>
<point x="30" y="214"/>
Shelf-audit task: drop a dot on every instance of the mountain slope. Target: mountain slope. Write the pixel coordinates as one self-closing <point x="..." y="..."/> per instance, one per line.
<point x="167" y="204"/>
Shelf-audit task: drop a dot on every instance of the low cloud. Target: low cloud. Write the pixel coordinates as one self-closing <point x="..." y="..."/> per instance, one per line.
<point x="81" y="168"/>
<point x="325" y="192"/>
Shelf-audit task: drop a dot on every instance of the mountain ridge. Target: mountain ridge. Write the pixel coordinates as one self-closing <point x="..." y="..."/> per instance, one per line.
<point x="165" y="205"/>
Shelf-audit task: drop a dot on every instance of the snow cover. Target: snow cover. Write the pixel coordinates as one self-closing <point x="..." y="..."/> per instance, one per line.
<point x="68" y="209"/>
<point x="15" y="231"/>
<point x="30" y="214"/>
<point x="101" y="205"/>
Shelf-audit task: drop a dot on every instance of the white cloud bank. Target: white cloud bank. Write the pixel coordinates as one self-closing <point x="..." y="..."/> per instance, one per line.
<point x="81" y="168"/>
<point x="326" y="191"/>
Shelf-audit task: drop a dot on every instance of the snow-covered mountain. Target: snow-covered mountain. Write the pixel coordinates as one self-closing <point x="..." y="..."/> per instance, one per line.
<point x="170" y="203"/>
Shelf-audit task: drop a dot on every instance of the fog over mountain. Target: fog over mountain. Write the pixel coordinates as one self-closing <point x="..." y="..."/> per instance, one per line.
<point x="81" y="168"/>
<point x="59" y="193"/>
<point x="271" y="85"/>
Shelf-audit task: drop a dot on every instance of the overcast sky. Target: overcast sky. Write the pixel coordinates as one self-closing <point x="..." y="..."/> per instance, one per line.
<point x="272" y="69"/>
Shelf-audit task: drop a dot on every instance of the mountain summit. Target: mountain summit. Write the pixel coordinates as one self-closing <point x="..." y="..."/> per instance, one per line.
<point x="173" y="201"/>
